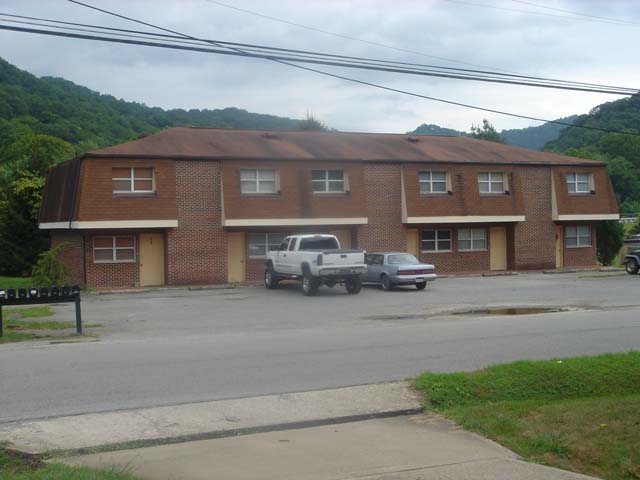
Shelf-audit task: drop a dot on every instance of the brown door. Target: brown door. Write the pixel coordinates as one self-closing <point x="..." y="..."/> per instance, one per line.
<point x="413" y="243"/>
<point x="344" y="237"/>
<point x="151" y="259"/>
<point x="559" y="246"/>
<point x="498" y="248"/>
<point x="235" y="257"/>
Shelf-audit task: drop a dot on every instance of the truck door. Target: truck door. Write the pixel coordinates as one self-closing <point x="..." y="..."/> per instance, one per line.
<point x="281" y="257"/>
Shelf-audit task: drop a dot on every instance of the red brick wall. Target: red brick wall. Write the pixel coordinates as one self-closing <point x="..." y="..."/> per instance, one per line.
<point x="535" y="237"/>
<point x="581" y="256"/>
<point x="456" y="261"/>
<point x="110" y="275"/>
<point x="72" y="254"/>
<point x="98" y="202"/>
<point x="385" y="231"/>
<point x="197" y="248"/>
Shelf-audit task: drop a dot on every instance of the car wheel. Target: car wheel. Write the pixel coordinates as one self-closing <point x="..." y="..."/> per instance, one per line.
<point x="631" y="267"/>
<point x="270" y="279"/>
<point x="353" y="285"/>
<point x="309" y="284"/>
<point x="421" y="286"/>
<point x="386" y="283"/>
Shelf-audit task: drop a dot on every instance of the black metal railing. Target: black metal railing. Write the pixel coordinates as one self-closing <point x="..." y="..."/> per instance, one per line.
<point x="39" y="296"/>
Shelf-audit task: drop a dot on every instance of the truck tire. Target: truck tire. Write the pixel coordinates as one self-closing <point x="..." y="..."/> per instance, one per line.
<point x="270" y="278"/>
<point x="309" y="284"/>
<point x="631" y="266"/>
<point x="385" y="281"/>
<point x="353" y="285"/>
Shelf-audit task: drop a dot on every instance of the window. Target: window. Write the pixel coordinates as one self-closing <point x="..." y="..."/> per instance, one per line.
<point x="579" y="182"/>
<point x="435" y="240"/>
<point x="261" y="243"/>
<point x="133" y="180"/>
<point x="318" y="243"/>
<point x="402" y="259"/>
<point x="472" y="239"/>
<point x="491" y="182"/>
<point x="116" y="249"/>
<point x="433" y="182"/>
<point x="373" y="259"/>
<point x="259" y="181"/>
<point x="578" y="236"/>
<point x="328" y="181"/>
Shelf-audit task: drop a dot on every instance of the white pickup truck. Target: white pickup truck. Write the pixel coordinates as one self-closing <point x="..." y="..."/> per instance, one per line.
<point x="316" y="260"/>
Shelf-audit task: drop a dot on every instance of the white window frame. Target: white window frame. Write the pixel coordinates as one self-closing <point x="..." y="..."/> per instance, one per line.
<point x="132" y="178"/>
<point x="436" y="240"/>
<point x="257" y="180"/>
<point x="581" y="240"/>
<point x="491" y="181"/>
<point x="425" y="178"/>
<point x="326" y="181"/>
<point x="266" y="243"/>
<point x="473" y="238"/>
<point x="114" y="249"/>
<point x="573" y="179"/>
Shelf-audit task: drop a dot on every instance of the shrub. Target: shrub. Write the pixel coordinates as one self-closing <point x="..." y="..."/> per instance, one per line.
<point x="49" y="269"/>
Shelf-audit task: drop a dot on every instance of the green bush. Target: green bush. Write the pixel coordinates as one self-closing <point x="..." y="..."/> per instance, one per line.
<point x="49" y="270"/>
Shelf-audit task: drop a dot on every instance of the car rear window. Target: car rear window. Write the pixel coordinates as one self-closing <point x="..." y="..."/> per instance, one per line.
<point x="402" y="259"/>
<point x="319" y="243"/>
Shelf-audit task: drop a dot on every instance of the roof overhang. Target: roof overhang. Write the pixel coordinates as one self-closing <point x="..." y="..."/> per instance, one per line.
<point x="108" y="224"/>
<point x="285" y="222"/>
<point x="587" y="217"/>
<point x="467" y="219"/>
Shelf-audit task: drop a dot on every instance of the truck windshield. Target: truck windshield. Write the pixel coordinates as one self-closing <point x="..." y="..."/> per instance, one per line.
<point x="318" y="243"/>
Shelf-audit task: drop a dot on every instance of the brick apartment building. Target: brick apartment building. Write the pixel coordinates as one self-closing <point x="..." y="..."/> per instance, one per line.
<point x="203" y="206"/>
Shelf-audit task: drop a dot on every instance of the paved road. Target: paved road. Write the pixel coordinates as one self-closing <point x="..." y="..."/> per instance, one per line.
<point x="163" y="348"/>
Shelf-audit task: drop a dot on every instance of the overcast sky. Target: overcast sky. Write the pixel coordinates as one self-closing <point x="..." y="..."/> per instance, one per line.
<point x="466" y="31"/>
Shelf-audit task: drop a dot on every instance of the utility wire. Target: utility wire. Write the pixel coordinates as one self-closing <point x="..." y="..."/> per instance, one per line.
<point x="333" y="75"/>
<point x="259" y="51"/>
<point x="596" y="17"/>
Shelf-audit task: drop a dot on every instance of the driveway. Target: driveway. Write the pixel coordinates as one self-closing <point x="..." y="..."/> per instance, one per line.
<point x="179" y="346"/>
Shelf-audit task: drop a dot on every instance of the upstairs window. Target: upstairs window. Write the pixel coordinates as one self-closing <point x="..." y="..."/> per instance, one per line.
<point x="261" y="243"/>
<point x="328" y="181"/>
<point x="258" y="181"/>
<point x="133" y="180"/>
<point x="433" y="182"/>
<point x="492" y="182"/>
<point x="579" y="182"/>
<point x="578" y="236"/>
<point x="470" y="239"/>
<point x="114" y="249"/>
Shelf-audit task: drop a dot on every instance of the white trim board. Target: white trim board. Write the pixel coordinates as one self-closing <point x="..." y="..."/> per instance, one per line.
<point x="110" y="224"/>
<point x="467" y="219"/>
<point x="283" y="222"/>
<point x="586" y="217"/>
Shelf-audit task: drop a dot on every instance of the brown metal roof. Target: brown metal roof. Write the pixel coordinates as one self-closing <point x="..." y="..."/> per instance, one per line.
<point x="213" y="143"/>
<point x="60" y="190"/>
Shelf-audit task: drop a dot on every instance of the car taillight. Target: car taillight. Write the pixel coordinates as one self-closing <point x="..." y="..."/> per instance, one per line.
<point x="319" y="261"/>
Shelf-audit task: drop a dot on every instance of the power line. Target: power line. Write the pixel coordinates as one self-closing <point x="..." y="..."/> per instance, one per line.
<point x="271" y="53"/>
<point x="597" y="17"/>
<point x="316" y="71"/>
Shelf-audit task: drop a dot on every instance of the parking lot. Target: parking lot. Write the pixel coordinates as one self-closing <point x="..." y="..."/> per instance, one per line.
<point x="177" y="346"/>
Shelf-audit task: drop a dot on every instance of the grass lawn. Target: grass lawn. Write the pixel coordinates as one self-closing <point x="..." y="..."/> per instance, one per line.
<point x="15" y="282"/>
<point x="580" y="414"/>
<point x="12" y="468"/>
<point x="14" y="328"/>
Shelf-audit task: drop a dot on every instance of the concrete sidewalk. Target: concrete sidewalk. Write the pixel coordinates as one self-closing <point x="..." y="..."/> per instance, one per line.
<point x="421" y="447"/>
<point x="197" y="421"/>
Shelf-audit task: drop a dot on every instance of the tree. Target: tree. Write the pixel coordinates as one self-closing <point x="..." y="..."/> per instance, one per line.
<point x="310" y="123"/>
<point x="486" y="132"/>
<point x="610" y="235"/>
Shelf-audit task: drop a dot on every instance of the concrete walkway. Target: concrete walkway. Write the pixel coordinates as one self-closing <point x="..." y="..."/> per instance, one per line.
<point x="421" y="447"/>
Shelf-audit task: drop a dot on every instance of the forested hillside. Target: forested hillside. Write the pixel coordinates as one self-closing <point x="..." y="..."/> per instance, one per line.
<point x="535" y="138"/>
<point x="620" y="151"/>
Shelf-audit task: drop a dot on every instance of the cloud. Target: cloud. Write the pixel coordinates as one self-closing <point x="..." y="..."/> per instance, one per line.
<point x="534" y="44"/>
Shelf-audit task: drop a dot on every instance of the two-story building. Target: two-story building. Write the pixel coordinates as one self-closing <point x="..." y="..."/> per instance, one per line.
<point x="203" y="206"/>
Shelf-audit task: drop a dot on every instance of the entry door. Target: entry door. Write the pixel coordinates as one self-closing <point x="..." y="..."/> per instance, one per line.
<point x="151" y="259"/>
<point x="235" y="257"/>
<point x="559" y="246"/>
<point x="498" y="248"/>
<point x="412" y="242"/>
<point x="344" y="237"/>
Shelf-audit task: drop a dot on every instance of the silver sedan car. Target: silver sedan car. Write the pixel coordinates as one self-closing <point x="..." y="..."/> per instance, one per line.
<point x="397" y="268"/>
